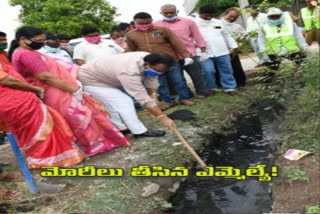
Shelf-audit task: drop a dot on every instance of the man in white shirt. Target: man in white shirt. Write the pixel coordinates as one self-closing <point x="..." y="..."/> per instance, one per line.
<point x="254" y="24"/>
<point x="52" y="48"/>
<point x="217" y="51"/>
<point x="94" y="47"/>
<point x="238" y="33"/>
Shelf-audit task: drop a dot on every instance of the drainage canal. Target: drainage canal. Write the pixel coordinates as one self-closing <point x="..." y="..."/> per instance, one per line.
<point x="252" y="143"/>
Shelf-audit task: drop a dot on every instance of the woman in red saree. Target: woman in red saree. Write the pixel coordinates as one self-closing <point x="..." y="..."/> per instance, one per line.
<point x="42" y="133"/>
<point x="86" y="117"/>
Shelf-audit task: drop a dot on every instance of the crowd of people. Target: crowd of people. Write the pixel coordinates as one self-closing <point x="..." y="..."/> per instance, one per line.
<point x="64" y="103"/>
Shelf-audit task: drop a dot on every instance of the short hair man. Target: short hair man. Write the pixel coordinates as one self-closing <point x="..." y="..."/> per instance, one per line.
<point x="280" y="37"/>
<point x="188" y="33"/>
<point x="311" y="20"/>
<point x="218" y="45"/>
<point x="137" y="73"/>
<point x="94" y="47"/>
<point x="64" y="43"/>
<point x="154" y="39"/>
<point x="3" y="46"/>
<point x="238" y="33"/>
<point x="52" y="48"/>
<point x="118" y="38"/>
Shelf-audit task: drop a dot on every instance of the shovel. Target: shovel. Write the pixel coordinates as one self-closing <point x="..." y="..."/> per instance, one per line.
<point x="190" y="149"/>
<point x="33" y="187"/>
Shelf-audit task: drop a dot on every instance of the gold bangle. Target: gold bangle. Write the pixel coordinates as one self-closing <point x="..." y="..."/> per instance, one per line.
<point x="161" y="116"/>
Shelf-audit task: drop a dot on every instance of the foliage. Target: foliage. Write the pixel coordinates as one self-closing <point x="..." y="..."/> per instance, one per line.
<point x="313" y="209"/>
<point x="66" y="16"/>
<point x="264" y="4"/>
<point x="295" y="174"/>
<point x="222" y="5"/>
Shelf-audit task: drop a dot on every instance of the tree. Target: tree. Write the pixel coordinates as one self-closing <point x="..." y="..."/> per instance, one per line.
<point x="66" y="16"/>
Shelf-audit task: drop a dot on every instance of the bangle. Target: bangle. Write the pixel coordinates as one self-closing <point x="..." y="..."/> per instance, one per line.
<point x="161" y="116"/>
<point x="154" y="93"/>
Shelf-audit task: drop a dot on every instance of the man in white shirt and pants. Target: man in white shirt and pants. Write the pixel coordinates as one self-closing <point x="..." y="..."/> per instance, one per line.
<point x="217" y="52"/>
<point x="254" y="24"/>
<point x="94" y="47"/>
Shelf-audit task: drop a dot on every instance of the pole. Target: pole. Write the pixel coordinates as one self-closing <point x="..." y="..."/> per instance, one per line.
<point x="26" y="173"/>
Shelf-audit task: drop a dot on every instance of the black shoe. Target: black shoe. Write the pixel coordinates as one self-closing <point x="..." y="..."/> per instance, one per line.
<point x="126" y="131"/>
<point x="151" y="133"/>
<point x="139" y="108"/>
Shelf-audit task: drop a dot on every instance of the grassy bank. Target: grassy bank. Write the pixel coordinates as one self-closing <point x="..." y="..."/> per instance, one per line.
<point x="297" y="188"/>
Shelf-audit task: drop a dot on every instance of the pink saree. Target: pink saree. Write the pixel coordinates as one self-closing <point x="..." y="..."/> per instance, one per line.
<point x="88" y="119"/>
<point x="42" y="133"/>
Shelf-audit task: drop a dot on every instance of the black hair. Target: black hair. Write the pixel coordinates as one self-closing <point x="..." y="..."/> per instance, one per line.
<point x="115" y="29"/>
<point x="159" y="58"/>
<point x="88" y="29"/>
<point x="63" y="37"/>
<point x="51" y="36"/>
<point x="3" y="34"/>
<point x="132" y="23"/>
<point x="27" y="32"/>
<point x="208" y="8"/>
<point x="142" y="15"/>
<point x="123" y="26"/>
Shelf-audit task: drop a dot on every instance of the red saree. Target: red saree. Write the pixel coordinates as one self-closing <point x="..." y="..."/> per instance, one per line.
<point x="42" y="133"/>
<point x="88" y="119"/>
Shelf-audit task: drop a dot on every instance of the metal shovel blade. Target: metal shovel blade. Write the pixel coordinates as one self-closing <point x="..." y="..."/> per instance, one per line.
<point x="49" y="188"/>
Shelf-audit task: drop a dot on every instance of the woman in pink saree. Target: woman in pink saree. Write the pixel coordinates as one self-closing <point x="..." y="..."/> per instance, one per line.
<point x="42" y="133"/>
<point x="88" y="119"/>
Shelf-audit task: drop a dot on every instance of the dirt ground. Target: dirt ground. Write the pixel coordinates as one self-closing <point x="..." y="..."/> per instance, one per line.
<point x="296" y="196"/>
<point x="123" y="195"/>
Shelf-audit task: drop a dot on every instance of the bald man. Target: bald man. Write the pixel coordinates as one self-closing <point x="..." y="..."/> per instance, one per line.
<point x="188" y="33"/>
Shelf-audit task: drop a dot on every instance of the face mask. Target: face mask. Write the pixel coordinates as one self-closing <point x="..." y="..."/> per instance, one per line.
<point x="144" y="27"/>
<point x="151" y="73"/>
<point x="93" y="39"/>
<point x="50" y="49"/>
<point x="65" y="45"/>
<point x="276" y="22"/>
<point x="35" y="45"/>
<point x="3" y="47"/>
<point x="170" y="19"/>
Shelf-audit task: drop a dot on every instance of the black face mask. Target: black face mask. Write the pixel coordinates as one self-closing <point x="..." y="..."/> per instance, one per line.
<point x="36" y="45"/>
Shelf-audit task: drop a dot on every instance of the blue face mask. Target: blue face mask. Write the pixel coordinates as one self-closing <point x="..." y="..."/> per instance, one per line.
<point x="170" y="19"/>
<point x="50" y="49"/>
<point x="151" y="73"/>
<point x="275" y="22"/>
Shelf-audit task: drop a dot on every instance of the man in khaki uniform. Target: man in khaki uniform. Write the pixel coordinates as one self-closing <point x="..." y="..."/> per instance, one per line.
<point x="311" y="21"/>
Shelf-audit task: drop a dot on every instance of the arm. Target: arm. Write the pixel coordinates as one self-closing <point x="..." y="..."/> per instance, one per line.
<point x="261" y="42"/>
<point x="176" y="43"/>
<point x="301" y="42"/>
<point x="131" y="45"/>
<point x="201" y="43"/>
<point x="79" y="62"/>
<point x="78" y="55"/>
<point x="18" y="84"/>
<point x="54" y="81"/>
<point x="231" y="43"/>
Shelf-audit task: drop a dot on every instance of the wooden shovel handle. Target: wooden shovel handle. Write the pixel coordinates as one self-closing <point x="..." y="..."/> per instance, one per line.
<point x="190" y="149"/>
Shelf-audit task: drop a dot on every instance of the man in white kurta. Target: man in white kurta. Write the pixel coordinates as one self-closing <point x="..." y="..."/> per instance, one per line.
<point x="137" y="73"/>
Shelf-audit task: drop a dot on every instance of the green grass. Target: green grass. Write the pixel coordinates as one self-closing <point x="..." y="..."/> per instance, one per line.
<point x="301" y="129"/>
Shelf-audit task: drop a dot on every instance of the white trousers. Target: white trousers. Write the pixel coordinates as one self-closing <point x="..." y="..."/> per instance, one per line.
<point x="120" y="106"/>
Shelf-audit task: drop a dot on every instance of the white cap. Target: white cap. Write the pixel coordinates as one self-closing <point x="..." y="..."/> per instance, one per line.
<point x="274" y="11"/>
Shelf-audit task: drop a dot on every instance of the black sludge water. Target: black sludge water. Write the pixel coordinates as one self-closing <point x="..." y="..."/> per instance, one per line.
<point x="251" y="144"/>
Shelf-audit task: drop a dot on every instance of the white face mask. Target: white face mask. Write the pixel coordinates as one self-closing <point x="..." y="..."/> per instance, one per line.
<point x="170" y="19"/>
<point x="51" y="49"/>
